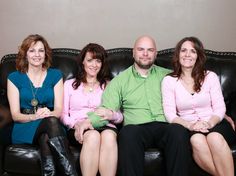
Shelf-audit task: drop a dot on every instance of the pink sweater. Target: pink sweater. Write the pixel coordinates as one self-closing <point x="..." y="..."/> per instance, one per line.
<point x="177" y="101"/>
<point x="77" y="103"/>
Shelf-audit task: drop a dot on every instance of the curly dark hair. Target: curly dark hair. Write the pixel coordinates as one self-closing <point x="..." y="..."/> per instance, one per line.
<point x="21" y="60"/>
<point x="199" y="71"/>
<point x="98" y="52"/>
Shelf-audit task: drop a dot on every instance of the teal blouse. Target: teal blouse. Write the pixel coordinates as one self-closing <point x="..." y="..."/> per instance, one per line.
<point x="23" y="133"/>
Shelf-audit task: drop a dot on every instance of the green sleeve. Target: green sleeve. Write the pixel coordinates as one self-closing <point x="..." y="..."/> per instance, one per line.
<point x="111" y="97"/>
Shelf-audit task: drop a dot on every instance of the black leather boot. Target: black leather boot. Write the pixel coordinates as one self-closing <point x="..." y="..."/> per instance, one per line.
<point x="48" y="167"/>
<point x="62" y="155"/>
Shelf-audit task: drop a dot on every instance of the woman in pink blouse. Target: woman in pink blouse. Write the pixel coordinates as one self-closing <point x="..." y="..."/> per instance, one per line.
<point x="83" y="95"/>
<point x="192" y="97"/>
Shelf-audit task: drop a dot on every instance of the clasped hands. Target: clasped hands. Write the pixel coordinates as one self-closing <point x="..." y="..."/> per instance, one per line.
<point x="201" y="126"/>
<point x="42" y="113"/>
<point x="81" y="126"/>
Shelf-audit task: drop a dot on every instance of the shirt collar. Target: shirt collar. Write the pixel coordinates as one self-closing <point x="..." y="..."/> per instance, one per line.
<point x="137" y="74"/>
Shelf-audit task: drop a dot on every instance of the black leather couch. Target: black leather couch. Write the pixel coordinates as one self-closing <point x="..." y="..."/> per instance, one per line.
<point x="16" y="160"/>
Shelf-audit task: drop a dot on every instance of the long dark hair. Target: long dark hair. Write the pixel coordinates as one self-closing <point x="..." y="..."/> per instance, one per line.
<point x="199" y="71"/>
<point x="98" y="52"/>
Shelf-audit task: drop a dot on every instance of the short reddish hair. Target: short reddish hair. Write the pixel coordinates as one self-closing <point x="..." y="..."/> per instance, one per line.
<point x="21" y="61"/>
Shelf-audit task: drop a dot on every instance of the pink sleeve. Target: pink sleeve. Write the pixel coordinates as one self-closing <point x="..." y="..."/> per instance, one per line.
<point x="168" y="98"/>
<point x="217" y="99"/>
<point x="65" y="118"/>
<point x="117" y="117"/>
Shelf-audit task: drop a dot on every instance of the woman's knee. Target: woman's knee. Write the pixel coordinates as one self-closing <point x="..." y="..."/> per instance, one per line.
<point x="109" y="138"/>
<point x="198" y="142"/>
<point x="216" y="140"/>
<point x="52" y="126"/>
<point x="92" y="138"/>
<point x="52" y="120"/>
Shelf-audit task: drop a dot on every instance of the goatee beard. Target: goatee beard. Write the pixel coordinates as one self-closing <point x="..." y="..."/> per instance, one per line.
<point x="144" y="66"/>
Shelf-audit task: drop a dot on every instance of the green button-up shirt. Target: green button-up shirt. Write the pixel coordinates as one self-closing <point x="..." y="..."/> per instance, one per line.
<point x="138" y="97"/>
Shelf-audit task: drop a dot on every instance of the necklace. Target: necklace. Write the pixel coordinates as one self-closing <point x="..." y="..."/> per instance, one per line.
<point x="34" y="102"/>
<point x="91" y="86"/>
<point x="90" y="89"/>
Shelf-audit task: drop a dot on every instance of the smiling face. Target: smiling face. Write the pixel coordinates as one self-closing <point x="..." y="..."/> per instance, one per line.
<point x="144" y="52"/>
<point x="36" y="54"/>
<point x="187" y="55"/>
<point x="92" y="66"/>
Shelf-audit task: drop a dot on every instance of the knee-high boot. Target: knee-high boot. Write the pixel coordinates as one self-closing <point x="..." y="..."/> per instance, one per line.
<point x="63" y="157"/>
<point x="47" y="164"/>
<point x="48" y="167"/>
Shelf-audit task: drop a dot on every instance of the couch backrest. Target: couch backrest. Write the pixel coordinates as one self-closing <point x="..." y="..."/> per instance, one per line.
<point x="222" y="63"/>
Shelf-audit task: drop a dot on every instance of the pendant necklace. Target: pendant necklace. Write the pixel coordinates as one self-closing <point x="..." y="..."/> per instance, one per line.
<point x="34" y="102"/>
<point x="91" y="88"/>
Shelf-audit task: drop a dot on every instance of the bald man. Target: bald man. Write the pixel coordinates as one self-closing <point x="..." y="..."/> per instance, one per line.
<point x="137" y="92"/>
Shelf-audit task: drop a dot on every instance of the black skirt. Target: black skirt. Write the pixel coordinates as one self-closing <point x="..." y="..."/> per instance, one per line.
<point x="224" y="128"/>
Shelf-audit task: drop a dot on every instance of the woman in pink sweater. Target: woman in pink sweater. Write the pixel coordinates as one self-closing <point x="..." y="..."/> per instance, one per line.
<point x="192" y="97"/>
<point x="83" y="95"/>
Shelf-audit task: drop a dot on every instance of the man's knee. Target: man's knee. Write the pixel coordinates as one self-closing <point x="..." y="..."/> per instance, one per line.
<point x="128" y="134"/>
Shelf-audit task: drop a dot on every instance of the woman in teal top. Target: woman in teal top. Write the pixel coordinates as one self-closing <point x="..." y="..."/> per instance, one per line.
<point x="24" y="132"/>
<point x="35" y="94"/>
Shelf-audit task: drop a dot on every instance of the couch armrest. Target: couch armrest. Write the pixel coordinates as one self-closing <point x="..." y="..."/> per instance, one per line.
<point x="5" y="139"/>
<point x="1" y="159"/>
<point x="231" y="108"/>
<point x="5" y="116"/>
<point x="5" y="132"/>
<point x="5" y="125"/>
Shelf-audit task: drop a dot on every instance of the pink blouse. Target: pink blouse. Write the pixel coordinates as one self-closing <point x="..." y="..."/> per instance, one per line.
<point x="177" y="101"/>
<point x="78" y="102"/>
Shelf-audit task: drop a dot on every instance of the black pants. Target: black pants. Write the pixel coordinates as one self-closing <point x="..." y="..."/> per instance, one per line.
<point x="172" y="139"/>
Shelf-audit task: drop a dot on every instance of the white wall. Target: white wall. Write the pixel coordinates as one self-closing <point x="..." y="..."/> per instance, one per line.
<point x="117" y="23"/>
